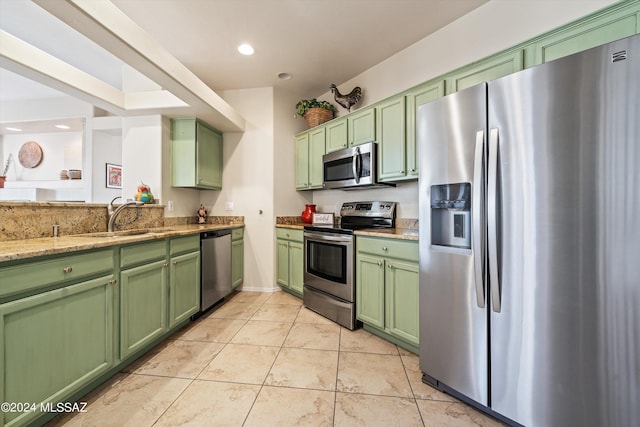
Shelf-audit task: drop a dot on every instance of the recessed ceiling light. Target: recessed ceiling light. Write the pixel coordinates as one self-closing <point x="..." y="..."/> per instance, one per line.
<point x="63" y="127"/>
<point x="245" y="49"/>
<point x="13" y="129"/>
<point x="284" y="76"/>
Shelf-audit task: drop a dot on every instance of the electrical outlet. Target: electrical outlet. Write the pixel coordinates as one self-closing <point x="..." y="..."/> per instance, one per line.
<point x="228" y="206"/>
<point x="170" y="205"/>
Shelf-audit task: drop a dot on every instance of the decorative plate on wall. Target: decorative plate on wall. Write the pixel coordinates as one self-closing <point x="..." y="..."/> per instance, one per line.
<point x="30" y="154"/>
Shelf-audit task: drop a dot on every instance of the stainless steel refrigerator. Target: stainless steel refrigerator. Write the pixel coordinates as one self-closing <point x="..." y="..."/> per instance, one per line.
<point x="530" y="241"/>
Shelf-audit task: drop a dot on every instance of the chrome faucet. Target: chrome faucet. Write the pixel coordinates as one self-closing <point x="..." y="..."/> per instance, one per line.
<point x="113" y="214"/>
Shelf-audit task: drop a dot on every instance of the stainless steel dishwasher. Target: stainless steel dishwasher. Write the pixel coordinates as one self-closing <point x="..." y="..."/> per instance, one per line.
<point x="215" y="279"/>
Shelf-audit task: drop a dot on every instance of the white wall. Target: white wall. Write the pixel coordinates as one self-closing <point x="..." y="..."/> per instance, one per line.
<point x="142" y="147"/>
<point x="493" y="27"/>
<point x="248" y="182"/>
<point x="106" y="148"/>
<point x="287" y="200"/>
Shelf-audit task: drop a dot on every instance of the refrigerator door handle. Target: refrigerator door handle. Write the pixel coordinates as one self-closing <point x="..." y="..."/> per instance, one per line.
<point x="492" y="213"/>
<point x="477" y="210"/>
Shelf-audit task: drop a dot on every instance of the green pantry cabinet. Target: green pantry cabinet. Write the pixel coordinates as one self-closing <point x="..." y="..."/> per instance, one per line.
<point x="196" y="155"/>
<point x="387" y="289"/>
<point x="69" y="322"/>
<point x="290" y="260"/>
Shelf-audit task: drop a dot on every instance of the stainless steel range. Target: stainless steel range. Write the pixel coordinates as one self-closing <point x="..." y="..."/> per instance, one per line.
<point x="329" y="273"/>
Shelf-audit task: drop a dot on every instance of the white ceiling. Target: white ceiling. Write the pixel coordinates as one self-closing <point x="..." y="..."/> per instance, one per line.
<point x="319" y="42"/>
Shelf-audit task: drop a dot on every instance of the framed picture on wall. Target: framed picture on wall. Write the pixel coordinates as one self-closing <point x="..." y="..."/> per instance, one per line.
<point x="114" y="176"/>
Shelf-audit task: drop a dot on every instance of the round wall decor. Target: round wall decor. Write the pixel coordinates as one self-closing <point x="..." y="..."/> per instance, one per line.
<point x="30" y="154"/>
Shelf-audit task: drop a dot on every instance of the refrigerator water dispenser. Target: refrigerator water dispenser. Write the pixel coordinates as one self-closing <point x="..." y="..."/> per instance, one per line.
<point x="451" y="215"/>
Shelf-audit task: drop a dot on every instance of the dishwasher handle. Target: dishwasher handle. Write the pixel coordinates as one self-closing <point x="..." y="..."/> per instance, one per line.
<point x="214" y="234"/>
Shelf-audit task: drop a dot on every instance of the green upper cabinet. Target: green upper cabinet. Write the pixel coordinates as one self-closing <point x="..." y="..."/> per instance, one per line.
<point x="302" y="161"/>
<point x="414" y="99"/>
<point x="390" y="132"/>
<point x="619" y="23"/>
<point x="361" y="126"/>
<point x="485" y="70"/>
<point x="196" y="155"/>
<point x="336" y="135"/>
<point x="310" y="147"/>
<point x="316" y="151"/>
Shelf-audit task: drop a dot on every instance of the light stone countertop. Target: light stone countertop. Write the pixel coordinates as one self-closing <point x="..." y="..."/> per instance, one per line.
<point x="27" y="248"/>
<point x="390" y="233"/>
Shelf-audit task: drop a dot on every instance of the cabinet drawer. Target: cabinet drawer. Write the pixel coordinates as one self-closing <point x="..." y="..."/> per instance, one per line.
<point x="180" y="245"/>
<point x="237" y="233"/>
<point x="289" y="234"/>
<point x="395" y="248"/>
<point x="142" y="252"/>
<point x="36" y="274"/>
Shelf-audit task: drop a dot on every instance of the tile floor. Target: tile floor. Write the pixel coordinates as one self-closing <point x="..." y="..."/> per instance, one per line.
<point x="261" y="359"/>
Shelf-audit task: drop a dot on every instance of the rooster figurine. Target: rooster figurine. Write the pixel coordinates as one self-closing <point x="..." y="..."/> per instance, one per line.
<point x="348" y="100"/>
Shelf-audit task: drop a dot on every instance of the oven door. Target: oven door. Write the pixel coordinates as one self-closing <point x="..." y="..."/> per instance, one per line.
<point x="328" y="264"/>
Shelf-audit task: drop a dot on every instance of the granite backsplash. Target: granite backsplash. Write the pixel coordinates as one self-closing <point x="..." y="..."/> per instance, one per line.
<point x="22" y="220"/>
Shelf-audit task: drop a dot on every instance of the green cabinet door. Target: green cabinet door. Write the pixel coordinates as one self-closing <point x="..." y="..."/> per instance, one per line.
<point x="361" y="126"/>
<point x="237" y="263"/>
<point x="401" y="298"/>
<point x="282" y="263"/>
<point x="302" y="161"/>
<point x="417" y="97"/>
<point x="485" y="70"/>
<point x="143" y="306"/>
<point x="623" y="21"/>
<point x="336" y="135"/>
<point x="390" y="133"/>
<point x="196" y="155"/>
<point x="209" y="158"/>
<point x="184" y="287"/>
<point x="55" y="343"/>
<point x="370" y="290"/>
<point x="296" y="267"/>
<point x="316" y="151"/>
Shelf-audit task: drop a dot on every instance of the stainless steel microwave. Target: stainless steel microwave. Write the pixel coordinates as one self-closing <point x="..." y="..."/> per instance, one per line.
<point x="351" y="167"/>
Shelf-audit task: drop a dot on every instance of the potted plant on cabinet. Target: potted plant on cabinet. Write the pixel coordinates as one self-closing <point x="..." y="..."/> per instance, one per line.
<point x="315" y="112"/>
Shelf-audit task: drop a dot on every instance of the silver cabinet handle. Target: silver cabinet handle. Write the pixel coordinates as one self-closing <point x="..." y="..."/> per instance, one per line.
<point x="113" y="281"/>
<point x="67" y="269"/>
<point x="379" y="263"/>
<point x="477" y="213"/>
<point x="492" y="213"/>
<point x="384" y="248"/>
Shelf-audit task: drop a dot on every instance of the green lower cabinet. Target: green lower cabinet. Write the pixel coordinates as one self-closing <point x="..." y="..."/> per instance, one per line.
<point x="370" y="290"/>
<point x="143" y="306"/>
<point x="290" y="260"/>
<point x="54" y="343"/>
<point x="184" y="287"/>
<point x="401" y="297"/>
<point x="387" y="283"/>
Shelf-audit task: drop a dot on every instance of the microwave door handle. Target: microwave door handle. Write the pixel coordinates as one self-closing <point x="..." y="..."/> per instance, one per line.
<point x="355" y="164"/>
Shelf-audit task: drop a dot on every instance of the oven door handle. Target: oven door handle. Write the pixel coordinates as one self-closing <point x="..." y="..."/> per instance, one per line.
<point x="323" y="238"/>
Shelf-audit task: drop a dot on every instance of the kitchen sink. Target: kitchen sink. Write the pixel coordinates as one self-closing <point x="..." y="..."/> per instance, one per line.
<point x="122" y="233"/>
